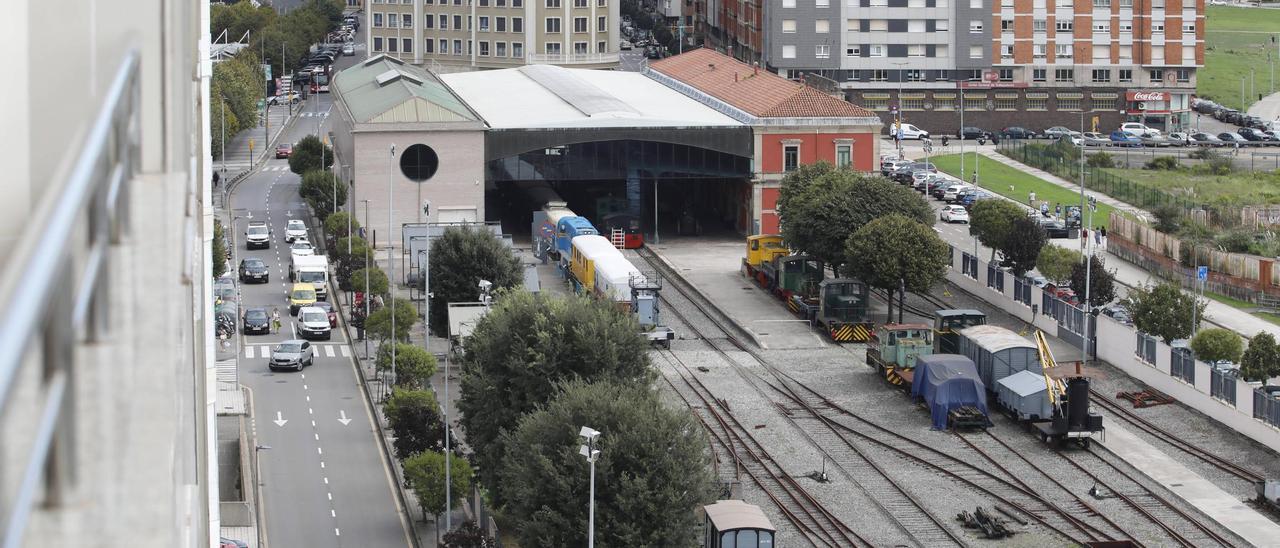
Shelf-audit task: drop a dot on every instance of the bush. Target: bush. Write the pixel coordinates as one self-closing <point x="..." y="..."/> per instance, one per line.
<point x="1101" y="160"/>
<point x="1204" y="154"/>
<point x="218" y="256"/>
<point x="1163" y="163"/>
<point x="318" y="188"/>
<point x="1236" y="241"/>
<point x="1168" y="218"/>
<point x="1216" y="344"/>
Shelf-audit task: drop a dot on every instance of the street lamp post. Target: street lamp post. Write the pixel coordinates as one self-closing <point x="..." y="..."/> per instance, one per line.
<point x="391" y="264"/>
<point x="897" y="130"/>
<point x="589" y="451"/>
<point x="366" y="284"/>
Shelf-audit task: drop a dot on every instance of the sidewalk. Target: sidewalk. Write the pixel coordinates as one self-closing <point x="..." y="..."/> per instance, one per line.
<point x="237" y="159"/>
<point x="1268" y="108"/>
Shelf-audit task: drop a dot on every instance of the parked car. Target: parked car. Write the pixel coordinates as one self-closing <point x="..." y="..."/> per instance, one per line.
<point x="971" y="198"/>
<point x="1139" y="129"/>
<point x="291" y="98"/>
<point x="1206" y="140"/>
<point x="888" y="166"/>
<point x="1125" y="139"/>
<point x="953" y="214"/>
<point x="1231" y="138"/>
<point x="970" y="132"/>
<point x="1274" y="133"/>
<point x="1256" y="135"/>
<point x="256" y="322"/>
<point x="919" y="176"/>
<point x="348" y="49"/>
<point x="953" y="191"/>
<point x="1017" y="132"/>
<point x="1058" y="132"/>
<point x="908" y="131"/>
<point x="252" y="268"/>
<point x="931" y="182"/>
<point x="1117" y="313"/>
<point x="284" y="150"/>
<point x="1092" y="139"/>
<point x="1179" y="139"/>
<point x="1254" y="122"/>
<point x="1153" y="140"/>
<point x="292" y="354"/>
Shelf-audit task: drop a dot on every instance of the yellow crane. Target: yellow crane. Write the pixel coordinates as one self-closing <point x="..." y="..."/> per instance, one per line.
<point x="1047" y="364"/>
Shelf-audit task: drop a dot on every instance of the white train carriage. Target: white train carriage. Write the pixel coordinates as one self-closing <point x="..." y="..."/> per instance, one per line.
<point x="586" y="251"/>
<point x="613" y="278"/>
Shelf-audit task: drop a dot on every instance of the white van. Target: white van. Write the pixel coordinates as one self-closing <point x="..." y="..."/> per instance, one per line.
<point x="910" y="132"/>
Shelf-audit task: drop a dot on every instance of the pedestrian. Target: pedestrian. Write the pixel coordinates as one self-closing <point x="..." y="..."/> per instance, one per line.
<point x="1084" y="233"/>
<point x="1097" y="238"/>
<point x="275" y="320"/>
<point x="1103" y="231"/>
<point x="1044" y="208"/>
<point x="1031" y="198"/>
<point x="1057" y="210"/>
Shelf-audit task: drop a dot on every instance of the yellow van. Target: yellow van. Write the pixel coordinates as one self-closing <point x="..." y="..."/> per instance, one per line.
<point x="302" y="294"/>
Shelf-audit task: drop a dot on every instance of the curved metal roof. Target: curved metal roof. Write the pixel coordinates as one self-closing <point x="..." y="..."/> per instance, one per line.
<point x="588" y="98"/>
<point x="994" y="338"/>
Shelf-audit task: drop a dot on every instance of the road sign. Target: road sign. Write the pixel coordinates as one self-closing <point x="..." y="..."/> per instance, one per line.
<point x="1202" y="273"/>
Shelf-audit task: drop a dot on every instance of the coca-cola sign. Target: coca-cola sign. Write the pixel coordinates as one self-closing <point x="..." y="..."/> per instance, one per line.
<point x="1148" y="96"/>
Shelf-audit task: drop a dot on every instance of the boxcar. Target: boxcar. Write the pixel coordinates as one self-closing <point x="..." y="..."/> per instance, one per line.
<point x="998" y="352"/>
<point x="736" y="524"/>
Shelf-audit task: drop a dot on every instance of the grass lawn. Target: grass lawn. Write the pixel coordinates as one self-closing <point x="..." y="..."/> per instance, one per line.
<point x="1011" y="183"/>
<point x="1230" y="54"/>
<point x="1243" y="305"/>
<point x="1237" y="188"/>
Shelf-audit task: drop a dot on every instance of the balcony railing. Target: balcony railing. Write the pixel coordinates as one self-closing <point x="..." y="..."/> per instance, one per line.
<point x="572" y="58"/>
<point x="54" y="292"/>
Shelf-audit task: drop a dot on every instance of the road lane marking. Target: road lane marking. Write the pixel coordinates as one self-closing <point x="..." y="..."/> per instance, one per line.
<point x="313" y="423"/>
<point x="248" y="352"/>
<point x="266" y="351"/>
<point x="322" y="464"/>
<point x="280" y="420"/>
<point x="309" y="401"/>
<point x="304" y="386"/>
<point x="346" y="351"/>
<point x="317" y="437"/>
<point x="326" y="480"/>
<point x="333" y="514"/>
<point x="320" y="452"/>
<point x="336" y="533"/>
<point x="310" y="411"/>
<point x="328" y="351"/>
<point x="330" y="496"/>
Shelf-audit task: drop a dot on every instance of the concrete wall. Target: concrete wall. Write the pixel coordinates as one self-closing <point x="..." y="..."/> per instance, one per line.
<point x="459" y="182"/>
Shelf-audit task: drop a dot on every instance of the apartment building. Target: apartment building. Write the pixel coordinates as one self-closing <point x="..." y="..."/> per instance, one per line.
<point x="734" y="27"/>
<point x="484" y="34"/>
<point x="997" y="63"/>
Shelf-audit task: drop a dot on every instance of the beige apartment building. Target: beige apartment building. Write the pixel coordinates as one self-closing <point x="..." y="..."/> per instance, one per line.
<point x="481" y="34"/>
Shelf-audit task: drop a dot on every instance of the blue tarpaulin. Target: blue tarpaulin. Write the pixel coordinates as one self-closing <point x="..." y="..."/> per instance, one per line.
<point x="946" y="382"/>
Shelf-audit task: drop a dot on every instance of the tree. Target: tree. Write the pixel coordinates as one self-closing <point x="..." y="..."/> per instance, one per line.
<point x="1022" y="246"/>
<point x="414" y="365"/>
<point x="335" y="226"/>
<point x="468" y="535"/>
<point x="458" y="260"/>
<point x="822" y="213"/>
<point x="424" y="474"/>
<point x="1164" y="311"/>
<point x="1168" y="218"/>
<point x="1216" y="345"/>
<point x="349" y="263"/>
<point x="991" y="221"/>
<point x="378" y="325"/>
<point x="318" y="189"/>
<point x="378" y="284"/>
<point x="306" y="156"/>
<point x="218" y="256"/>
<point x="795" y="182"/>
<point x="414" y="418"/>
<point x="1262" y="360"/>
<point x="895" y="250"/>
<point x="1056" y="263"/>
<point x="524" y="346"/>
<point x="1102" y="288"/>
<point x="652" y="471"/>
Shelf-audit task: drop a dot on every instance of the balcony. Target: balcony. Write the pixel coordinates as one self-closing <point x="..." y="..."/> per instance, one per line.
<point x="572" y="58"/>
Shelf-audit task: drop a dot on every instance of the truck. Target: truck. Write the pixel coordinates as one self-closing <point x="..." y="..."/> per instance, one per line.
<point x="313" y="269"/>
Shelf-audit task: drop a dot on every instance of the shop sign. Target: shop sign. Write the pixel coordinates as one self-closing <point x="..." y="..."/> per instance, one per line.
<point x="1147" y="96"/>
<point x="991" y="85"/>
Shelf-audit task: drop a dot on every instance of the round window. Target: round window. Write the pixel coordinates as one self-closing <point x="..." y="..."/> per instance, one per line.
<point x="419" y="162"/>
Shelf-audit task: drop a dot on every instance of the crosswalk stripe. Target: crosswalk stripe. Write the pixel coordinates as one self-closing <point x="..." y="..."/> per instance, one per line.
<point x="328" y="351"/>
<point x="346" y="351"/>
<point x="248" y="352"/>
<point x="266" y="351"/>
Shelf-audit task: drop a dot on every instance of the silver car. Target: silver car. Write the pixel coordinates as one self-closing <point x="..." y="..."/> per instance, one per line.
<point x="292" y="354"/>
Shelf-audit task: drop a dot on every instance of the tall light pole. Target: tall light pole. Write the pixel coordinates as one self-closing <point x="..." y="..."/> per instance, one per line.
<point x="224" y="136"/>
<point x="366" y="282"/>
<point x="589" y="451"/>
<point x="897" y="130"/>
<point x="391" y="263"/>
<point x="1088" y="266"/>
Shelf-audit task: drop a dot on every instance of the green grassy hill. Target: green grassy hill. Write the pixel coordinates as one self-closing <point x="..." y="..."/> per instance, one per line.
<point x="1237" y="40"/>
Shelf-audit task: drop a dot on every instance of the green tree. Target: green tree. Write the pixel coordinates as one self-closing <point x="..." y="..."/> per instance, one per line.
<point x="218" y="256"/>
<point x="458" y="260"/>
<point x="796" y="182"/>
<point x="349" y="263"/>
<point x="414" y="418"/>
<point x="1056" y="263"/>
<point x="1022" y="246"/>
<point x="1217" y="344"/>
<point x="318" y="188"/>
<point x="468" y="535"/>
<point x="1262" y="360"/>
<point x="1168" y="218"/>
<point x="306" y="156"/>
<point x="821" y="214"/>
<point x="414" y="365"/>
<point x="651" y="473"/>
<point x="524" y="346"/>
<point x="335" y="226"/>
<point x="378" y="325"/>
<point x="991" y="221"/>
<point x="239" y="83"/>
<point x="378" y="284"/>
<point x="896" y="250"/>
<point x="1102" y="282"/>
<point x="424" y="475"/>
<point x="1164" y="311"/>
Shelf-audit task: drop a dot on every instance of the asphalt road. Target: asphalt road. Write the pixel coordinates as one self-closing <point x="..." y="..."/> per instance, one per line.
<point x="324" y="478"/>
<point x="632" y="60"/>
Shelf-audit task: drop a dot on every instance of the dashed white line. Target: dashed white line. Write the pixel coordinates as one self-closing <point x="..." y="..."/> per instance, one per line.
<point x="322" y="464"/>
<point x="309" y="401"/>
<point x="336" y="533"/>
<point x="313" y="423"/>
<point x="317" y="437"/>
<point x="330" y="496"/>
<point x="333" y="513"/>
<point x="310" y="411"/>
<point x="304" y="386"/>
<point x="326" y="480"/>
<point x="319" y="451"/>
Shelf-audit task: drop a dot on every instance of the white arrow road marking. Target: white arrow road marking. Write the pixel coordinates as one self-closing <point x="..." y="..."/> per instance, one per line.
<point x="343" y="418"/>
<point x="280" y="420"/>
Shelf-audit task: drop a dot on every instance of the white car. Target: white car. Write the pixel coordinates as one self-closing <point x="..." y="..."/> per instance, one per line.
<point x="954" y="214"/>
<point x="301" y="247"/>
<point x="1096" y="140"/>
<point x="313" y="323"/>
<point x="953" y="190"/>
<point x="295" y="230"/>
<point x="911" y="132"/>
<point x="1139" y="129"/>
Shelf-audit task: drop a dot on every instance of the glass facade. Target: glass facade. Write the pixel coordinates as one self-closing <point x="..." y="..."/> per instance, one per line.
<point x="615" y="160"/>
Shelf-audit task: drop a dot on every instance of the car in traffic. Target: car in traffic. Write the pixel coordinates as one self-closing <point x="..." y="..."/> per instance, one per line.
<point x="1206" y="140"/>
<point x="1058" y="132"/>
<point x="1231" y="138"/>
<point x="300" y="295"/>
<point x="295" y="229"/>
<point x="301" y="247"/>
<point x="624" y="45"/>
<point x="1125" y="139"/>
<point x="329" y="311"/>
<point x="908" y="131"/>
<point x="257" y="235"/>
<point x="348" y="49"/>
<point x="284" y="150"/>
<point x="292" y="354"/>
<point x="970" y="132"/>
<point x="290" y="98"/>
<point x="1053" y="228"/>
<point x="313" y="323"/>
<point x="252" y="268"/>
<point x="256" y="321"/>
<point x="1017" y="132"/>
<point x="953" y="214"/>
<point x="1093" y="139"/>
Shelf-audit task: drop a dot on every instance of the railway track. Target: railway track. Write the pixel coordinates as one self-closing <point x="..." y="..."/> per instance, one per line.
<point x="825" y="423"/>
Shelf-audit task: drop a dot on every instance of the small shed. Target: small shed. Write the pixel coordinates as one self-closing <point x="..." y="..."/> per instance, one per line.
<point x="998" y="352"/>
<point x="1026" y="395"/>
<point x="947" y="382"/>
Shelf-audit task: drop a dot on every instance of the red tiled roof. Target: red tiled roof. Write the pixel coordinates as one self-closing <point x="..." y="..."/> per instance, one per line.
<point x="757" y="92"/>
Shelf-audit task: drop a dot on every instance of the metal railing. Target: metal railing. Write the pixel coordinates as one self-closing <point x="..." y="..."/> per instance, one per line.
<point x="55" y="290"/>
<point x="571" y="58"/>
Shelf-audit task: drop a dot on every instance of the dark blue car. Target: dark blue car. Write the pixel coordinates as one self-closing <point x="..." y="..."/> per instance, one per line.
<point x="1124" y="139"/>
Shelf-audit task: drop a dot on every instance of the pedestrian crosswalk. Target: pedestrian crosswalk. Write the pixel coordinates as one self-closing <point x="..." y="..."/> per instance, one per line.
<point x="263" y="351"/>
<point x="226" y="371"/>
<point x="282" y="167"/>
<point x="312" y="113"/>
